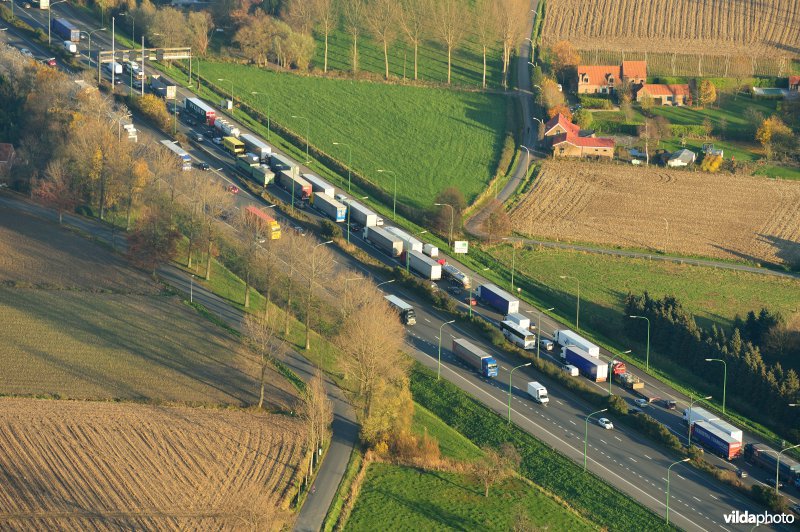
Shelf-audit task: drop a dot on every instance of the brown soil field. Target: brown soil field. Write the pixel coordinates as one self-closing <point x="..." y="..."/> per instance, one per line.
<point x="716" y="27"/>
<point x="79" y="323"/>
<point x="68" y="465"/>
<point x="691" y="213"/>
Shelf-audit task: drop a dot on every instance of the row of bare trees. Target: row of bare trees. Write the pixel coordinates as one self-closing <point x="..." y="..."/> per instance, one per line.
<point x="447" y="21"/>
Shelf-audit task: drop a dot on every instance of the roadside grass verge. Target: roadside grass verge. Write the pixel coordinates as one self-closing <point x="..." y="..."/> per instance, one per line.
<point x="404" y="498"/>
<point x="588" y="494"/>
<point x="451" y="443"/>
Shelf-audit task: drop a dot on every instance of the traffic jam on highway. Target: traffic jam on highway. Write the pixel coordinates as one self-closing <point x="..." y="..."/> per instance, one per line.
<point x="257" y="161"/>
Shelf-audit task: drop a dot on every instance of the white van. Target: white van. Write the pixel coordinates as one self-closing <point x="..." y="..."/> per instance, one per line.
<point x="538" y="393"/>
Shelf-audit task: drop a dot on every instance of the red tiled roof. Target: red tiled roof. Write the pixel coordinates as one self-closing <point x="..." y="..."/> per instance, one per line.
<point x="561" y="120"/>
<point x="794" y="80"/>
<point x="658" y="89"/>
<point x="598" y="75"/>
<point x="634" y="69"/>
<point x="585" y="142"/>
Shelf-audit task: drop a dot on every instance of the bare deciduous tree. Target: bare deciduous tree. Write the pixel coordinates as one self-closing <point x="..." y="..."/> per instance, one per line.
<point x="326" y="15"/>
<point x="317" y="412"/>
<point x="353" y="12"/>
<point x="215" y="201"/>
<point x="414" y="21"/>
<point x="263" y="338"/>
<point x="498" y="223"/>
<point x="490" y="469"/>
<point x="300" y="15"/>
<point x="512" y="17"/>
<point x="252" y="231"/>
<point x="315" y="267"/>
<point x="382" y="17"/>
<point x="448" y="22"/>
<point x="486" y="22"/>
<point x="199" y="24"/>
<point x="56" y="189"/>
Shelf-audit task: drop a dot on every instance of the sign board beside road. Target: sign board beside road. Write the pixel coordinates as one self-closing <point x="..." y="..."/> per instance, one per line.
<point x="460" y="246"/>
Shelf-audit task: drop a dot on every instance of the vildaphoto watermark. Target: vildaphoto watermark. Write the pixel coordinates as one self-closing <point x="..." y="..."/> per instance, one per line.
<point x="748" y="518"/>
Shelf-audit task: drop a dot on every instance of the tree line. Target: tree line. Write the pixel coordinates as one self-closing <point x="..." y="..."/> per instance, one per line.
<point x="280" y="32"/>
<point x="759" y="390"/>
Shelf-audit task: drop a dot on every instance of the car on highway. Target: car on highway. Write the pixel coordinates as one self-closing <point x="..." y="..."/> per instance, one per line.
<point x="795" y="509"/>
<point x="233" y="189"/>
<point x="217" y="140"/>
<point x="741" y="473"/>
<point x="25" y="52"/>
<point x="669" y="404"/>
<point x="204" y="166"/>
<point x="641" y="403"/>
<point x="26" y="5"/>
<point x="471" y="301"/>
<point x="605" y="423"/>
<point x="197" y="137"/>
<point x="50" y="61"/>
<point x="546" y="344"/>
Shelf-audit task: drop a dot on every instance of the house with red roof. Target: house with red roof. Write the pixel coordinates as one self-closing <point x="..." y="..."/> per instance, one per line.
<point x="559" y="124"/>
<point x="662" y="94"/>
<point x="567" y="145"/>
<point x="602" y="79"/>
<point x="794" y="83"/>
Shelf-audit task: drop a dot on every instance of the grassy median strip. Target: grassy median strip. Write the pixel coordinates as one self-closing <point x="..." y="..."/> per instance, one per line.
<point x="591" y="496"/>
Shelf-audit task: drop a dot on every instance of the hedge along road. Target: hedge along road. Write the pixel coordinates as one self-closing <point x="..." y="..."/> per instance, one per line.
<point x="345" y="426"/>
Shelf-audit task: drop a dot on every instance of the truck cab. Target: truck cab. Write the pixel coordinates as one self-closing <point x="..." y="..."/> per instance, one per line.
<point x="538" y="393"/>
<point x="489" y="367"/>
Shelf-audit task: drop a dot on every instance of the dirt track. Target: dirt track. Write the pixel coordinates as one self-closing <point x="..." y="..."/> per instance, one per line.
<point x="85" y="465"/>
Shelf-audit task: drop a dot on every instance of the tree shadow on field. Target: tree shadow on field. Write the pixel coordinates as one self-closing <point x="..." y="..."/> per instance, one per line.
<point x="786" y="250"/>
<point x="434" y="513"/>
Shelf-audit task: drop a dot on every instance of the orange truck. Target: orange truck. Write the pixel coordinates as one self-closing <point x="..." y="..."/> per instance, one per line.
<point x="272" y="230"/>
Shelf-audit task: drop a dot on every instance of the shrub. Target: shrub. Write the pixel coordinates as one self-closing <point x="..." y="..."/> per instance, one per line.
<point x="595" y="102"/>
<point x="329" y="230"/>
<point x="153" y="108"/>
<point x="767" y="496"/>
<point x="617" y="405"/>
<point x="690" y="131"/>
<point x="649" y="426"/>
<point x="711" y="163"/>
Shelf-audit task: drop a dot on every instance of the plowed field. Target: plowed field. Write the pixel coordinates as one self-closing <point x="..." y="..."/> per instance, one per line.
<point x="68" y="465"/>
<point x="689" y="213"/>
<point x="717" y="27"/>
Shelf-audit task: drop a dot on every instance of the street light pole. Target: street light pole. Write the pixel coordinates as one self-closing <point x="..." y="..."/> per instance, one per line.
<point x="349" y="161"/>
<point x="668" y="471"/>
<point x="394" y="201"/>
<point x="231" y="82"/>
<point x="269" y="104"/>
<point x="509" y="386"/>
<point x="724" y="378"/>
<point x="308" y="124"/>
<point x="578" y="305"/>
<point x="539" y="330"/>
<point x="89" y="34"/>
<point x="191" y="289"/>
<point x="689" y="420"/>
<point x="452" y="217"/>
<point x="439" y="365"/>
<point x="778" y="467"/>
<point x="586" y="435"/>
<point x="647" y="357"/>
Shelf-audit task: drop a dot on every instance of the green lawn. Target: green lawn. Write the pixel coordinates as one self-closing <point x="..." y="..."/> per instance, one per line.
<point x="711" y="294"/>
<point x="467" y="63"/>
<point x="743" y="153"/>
<point x="451" y="443"/>
<point x="431" y="138"/>
<point x="403" y="498"/>
<point x="781" y="172"/>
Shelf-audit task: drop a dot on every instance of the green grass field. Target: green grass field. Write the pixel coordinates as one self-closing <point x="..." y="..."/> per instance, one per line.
<point x="467" y="63"/>
<point x="713" y="295"/>
<point x="451" y="443"/>
<point x="431" y="138"/>
<point x="403" y="498"/>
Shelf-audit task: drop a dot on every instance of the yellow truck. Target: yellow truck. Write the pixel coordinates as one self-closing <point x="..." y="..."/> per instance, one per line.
<point x="271" y="228"/>
<point x="233" y="145"/>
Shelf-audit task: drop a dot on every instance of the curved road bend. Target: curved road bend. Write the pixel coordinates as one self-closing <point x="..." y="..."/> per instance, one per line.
<point x="345" y="426"/>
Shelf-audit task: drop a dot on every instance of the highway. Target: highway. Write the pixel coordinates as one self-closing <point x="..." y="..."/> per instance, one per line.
<point x="620" y="456"/>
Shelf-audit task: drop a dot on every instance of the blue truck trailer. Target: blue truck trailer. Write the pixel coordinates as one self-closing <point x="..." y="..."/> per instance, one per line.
<point x="717" y="441"/>
<point x="590" y="367"/>
<point x="475" y="357"/>
<point x="498" y="299"/>
<point x="65" y="29"/>
<point x="767" y="458"/>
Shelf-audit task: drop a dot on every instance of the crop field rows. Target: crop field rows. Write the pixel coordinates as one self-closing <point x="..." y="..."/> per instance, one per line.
<point x="716" y="215"/>
<point x="103" y="466"/>
<point x="760" y="27"/>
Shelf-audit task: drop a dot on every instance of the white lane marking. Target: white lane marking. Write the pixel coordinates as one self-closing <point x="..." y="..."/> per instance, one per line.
<point x="572" y="422"/>
<point x="714" y="496"/>
<point x="426" y="319"/>
<point x="575" y="449"/>
<point x="632" y="459"/>
<point x="647" y="457"/>
<point x="559" y="402"/>
<point x="679" y="476"/>
<point x="617" y="438"/>
<point x="604" y="441"/>
<point x="695" y="498"/>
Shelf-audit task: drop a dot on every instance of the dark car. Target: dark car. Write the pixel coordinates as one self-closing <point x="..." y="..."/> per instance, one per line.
<point x="204" y="167"/>
<point x="471" y="301"/>
<point x="669" y="404"/>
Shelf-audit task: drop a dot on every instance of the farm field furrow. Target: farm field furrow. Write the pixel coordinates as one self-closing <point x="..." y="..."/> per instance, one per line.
<point x="73" y="465"/>
<point x="723" y="216"/>
<point x="721" y="27"/>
